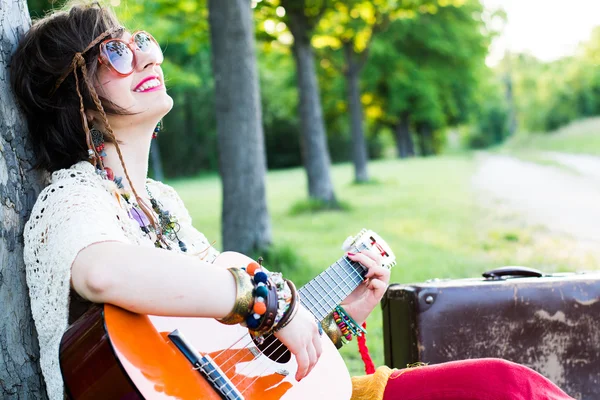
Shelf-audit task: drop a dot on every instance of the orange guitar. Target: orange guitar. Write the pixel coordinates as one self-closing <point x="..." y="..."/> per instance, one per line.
<point x="111" y="353"/>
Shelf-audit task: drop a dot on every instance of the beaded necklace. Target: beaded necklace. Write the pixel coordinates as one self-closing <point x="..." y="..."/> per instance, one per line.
<point x="168" y="225"/>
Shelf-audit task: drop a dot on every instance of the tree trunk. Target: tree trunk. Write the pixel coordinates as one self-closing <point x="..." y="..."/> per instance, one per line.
<point x="425" y="139"/>
<point x="20" y="375"/>
<point x="315" y="153"/>
<point x="404" y="143"/>
<point x="242" y="161"/>
<point x="157" y="168"/>
<point x="510" y="100"/>
<point x="359" y="145"/>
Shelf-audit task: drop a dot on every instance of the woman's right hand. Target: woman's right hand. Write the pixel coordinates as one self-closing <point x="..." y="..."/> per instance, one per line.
<point x="301" y="336"/>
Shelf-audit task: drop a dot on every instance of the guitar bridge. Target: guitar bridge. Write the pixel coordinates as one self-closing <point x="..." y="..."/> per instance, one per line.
<point x="207" y="367"/>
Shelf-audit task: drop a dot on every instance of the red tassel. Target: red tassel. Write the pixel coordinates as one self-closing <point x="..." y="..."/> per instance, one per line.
<point x="364" y="352"/>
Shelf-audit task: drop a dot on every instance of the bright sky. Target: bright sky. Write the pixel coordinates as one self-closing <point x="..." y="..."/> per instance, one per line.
<point x="549" y="29"/>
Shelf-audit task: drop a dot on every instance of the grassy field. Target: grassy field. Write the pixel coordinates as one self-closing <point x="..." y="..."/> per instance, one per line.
<point x="424" y="208"/>
<point x="578" y="137"/>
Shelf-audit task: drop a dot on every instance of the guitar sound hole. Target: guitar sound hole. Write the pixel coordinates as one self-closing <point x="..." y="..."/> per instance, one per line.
<point x="274" y="349"/>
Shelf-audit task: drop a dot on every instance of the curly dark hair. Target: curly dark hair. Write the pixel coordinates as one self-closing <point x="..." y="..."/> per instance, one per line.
<point x="52" y="74"/>
<point x="45" y="53"/>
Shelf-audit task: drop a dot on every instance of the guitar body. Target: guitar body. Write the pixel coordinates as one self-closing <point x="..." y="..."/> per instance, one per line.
<point x="111" y="353"/>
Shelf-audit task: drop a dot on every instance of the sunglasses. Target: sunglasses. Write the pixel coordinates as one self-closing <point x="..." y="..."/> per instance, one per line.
<point x="119" y="55"/>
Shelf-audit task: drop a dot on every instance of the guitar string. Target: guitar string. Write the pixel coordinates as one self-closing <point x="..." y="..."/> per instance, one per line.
<point x="257" y="364"/>
<point x="252" y="362"/>
<point x="353" y="269"/>
<point x="267" y="366"/>
<point x="354" y="273"/>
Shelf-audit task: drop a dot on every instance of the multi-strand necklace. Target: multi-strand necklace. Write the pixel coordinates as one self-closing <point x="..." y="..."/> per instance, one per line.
<point x="168" y="225"/>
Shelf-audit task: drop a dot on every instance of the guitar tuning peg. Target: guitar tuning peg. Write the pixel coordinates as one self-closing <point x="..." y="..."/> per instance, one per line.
<point x="347" y="245"/>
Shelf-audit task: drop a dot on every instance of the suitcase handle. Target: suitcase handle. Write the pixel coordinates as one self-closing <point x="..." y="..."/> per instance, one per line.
<point x="520" y="272"/>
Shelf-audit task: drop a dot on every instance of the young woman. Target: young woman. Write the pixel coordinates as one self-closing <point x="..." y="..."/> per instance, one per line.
<point x="102" y="232"/>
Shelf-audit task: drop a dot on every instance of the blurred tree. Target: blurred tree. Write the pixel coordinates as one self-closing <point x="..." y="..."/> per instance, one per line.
<point x="20" y="375"/>
<point x="350" y="26"/>
<point x="245" y="220"/>
<point x="424" y="70"/>
<point x="301" y="17"/>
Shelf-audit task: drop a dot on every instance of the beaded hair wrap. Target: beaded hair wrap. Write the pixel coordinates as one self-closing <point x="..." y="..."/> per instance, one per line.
<point x="94" y="156"/>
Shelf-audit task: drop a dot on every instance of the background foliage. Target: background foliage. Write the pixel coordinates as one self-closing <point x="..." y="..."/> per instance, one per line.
<point x="424" y="62"/>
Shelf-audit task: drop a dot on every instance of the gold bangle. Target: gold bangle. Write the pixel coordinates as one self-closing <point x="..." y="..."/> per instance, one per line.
<point x="243" y="298"/>
<point x="332" y="330"/>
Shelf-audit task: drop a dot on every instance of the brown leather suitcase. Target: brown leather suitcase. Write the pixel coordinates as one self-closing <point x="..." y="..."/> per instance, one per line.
<point x="550" y="323"/>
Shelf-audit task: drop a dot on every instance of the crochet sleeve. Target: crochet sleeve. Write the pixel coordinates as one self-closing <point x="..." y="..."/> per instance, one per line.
<point x="67" y="217"/>
<point x="197" y="243"/>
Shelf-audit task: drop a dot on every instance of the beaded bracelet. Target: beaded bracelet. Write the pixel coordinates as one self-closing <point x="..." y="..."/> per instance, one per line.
<point x="263" y="290"/>
<point x="348" y="326"/>
<point x="292" y="308"/>
<point x="284" y="296"/>
<point x="346" y="334"/>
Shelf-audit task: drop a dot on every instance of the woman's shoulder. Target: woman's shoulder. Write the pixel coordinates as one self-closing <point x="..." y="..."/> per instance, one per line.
<point x="80" y="178"/>
<point x="70" y="189"/>
<point x="161" y="188"/>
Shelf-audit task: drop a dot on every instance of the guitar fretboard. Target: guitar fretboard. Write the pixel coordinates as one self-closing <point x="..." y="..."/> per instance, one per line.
<point x="322" y="294"/>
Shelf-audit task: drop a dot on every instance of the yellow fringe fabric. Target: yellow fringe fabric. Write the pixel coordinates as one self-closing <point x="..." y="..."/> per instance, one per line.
<point x="371" y="387"/>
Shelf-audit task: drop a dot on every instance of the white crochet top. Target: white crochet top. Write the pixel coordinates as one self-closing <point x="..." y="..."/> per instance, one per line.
<point x="77" y="209"/>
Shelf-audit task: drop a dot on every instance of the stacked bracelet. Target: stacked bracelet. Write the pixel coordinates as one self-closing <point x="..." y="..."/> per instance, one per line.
<point x="346" y="334"/>
<point x="265" y="302"/>
<point x="348" y="326"/>
<point x="332" y="330"/>
<point x="264" y="309"/>
<point x="292" y="308"/>
<point x="244" y="299"/>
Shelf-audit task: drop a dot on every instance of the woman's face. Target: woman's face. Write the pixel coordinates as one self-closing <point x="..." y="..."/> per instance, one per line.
<point x="142" y="93"/>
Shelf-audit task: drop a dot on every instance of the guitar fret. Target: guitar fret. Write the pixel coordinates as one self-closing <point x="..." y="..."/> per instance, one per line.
<point x="339" y="296"/>
<point x="312" y="307"/>
<point x="344" y="276"/>
<point x="317" y="291"/>
<point x="328" y="289"/>
<point x="354" y="268"/>
<point x="326" y="296"/>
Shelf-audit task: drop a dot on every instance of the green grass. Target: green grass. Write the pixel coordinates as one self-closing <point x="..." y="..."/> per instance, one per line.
<point x="578" y="137"/>
<point x="424" y="208"/>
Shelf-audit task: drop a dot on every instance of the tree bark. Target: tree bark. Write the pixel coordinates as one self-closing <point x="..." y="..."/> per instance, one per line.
<point x="20" y="375"/>
<point x="242" y="161"/>
<point x="404" y="143"/>
<point x="359" y="145"/>
<point x="315" y="153"/>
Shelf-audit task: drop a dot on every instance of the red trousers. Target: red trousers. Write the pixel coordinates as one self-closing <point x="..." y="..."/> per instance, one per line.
<point x="480" y="379"/>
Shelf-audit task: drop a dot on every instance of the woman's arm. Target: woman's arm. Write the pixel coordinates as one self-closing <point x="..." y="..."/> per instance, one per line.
<point x="158" y="282"/>
<point x="153" y="281"/>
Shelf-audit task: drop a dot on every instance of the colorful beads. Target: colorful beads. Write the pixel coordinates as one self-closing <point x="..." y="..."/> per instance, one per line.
<point x="259" y="307"/>
<point x="348" y="326"/>
<point x="261" y="291"/>
<point x="342" y="325"/>
<point x="252" y="268"/>
<point x="260" y="277"/>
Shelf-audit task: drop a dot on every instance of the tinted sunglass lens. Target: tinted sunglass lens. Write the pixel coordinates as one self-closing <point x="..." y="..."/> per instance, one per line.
<point x="120" y="56"/>
<point x="145" y="43"/>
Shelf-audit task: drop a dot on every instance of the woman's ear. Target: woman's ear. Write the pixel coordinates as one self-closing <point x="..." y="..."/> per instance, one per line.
<point x="89" y="115"/>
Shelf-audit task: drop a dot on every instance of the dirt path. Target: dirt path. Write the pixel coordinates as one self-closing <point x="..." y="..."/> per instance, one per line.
<point x="563" y="200"/>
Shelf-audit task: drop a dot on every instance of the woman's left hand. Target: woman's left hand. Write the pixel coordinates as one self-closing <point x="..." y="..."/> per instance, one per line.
<point x="368" y="294"/>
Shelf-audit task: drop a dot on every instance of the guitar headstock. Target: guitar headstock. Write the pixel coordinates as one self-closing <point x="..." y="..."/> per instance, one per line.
<point x="369" y="240"/>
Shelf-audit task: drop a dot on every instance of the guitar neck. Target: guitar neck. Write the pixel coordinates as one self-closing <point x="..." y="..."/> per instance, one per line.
<point x="322" y="294"/>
